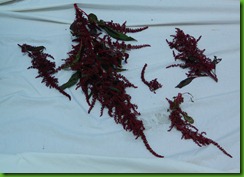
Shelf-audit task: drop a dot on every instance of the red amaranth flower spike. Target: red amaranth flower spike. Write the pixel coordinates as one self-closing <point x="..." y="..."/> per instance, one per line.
<point x="194" y="59"/>
<point x="45" y="68"/>
<point x="96" y="61"/>
<point x="183" y="122"/>
<point x="153" y="84"/>
<point x="123" y="29"/>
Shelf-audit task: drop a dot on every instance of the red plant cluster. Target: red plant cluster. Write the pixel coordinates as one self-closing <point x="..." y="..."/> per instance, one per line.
<point x="183" y="122"/>
<point x="96" y="61"/>
<point x="153" y="84"/>
<point x="193" y="58"/>
<point x="46" y="69"/>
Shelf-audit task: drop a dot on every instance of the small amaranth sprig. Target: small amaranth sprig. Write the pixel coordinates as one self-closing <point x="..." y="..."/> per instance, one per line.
<point x="153" y="84"/>
<point x="183" y="123"/>
<point x="46" y="69"/>
<point x="123" y="29"/>
<point x="192" y="57"/>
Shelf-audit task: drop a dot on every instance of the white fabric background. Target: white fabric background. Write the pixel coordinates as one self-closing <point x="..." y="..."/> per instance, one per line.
<point x="41" y="131"/>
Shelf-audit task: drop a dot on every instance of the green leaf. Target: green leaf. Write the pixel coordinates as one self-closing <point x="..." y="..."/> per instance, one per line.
<point x="185" y="82"/>
<point x="111" y="32"/>
<point x="120" y="69"/>
<point x="72" y="81"/>
<point x="77" y="58"/>
<point x="114" y="89"/>
<point x="89" y="95"/>
<point x="92" y="18"/>
<point x="188" y="118"/>
<point x="116" y="35"/>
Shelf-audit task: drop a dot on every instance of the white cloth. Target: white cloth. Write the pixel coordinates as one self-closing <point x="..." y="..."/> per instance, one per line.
<point x="41" y="131"/>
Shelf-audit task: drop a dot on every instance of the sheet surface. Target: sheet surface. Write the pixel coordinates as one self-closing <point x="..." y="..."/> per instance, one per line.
<point x="41" y="131"/>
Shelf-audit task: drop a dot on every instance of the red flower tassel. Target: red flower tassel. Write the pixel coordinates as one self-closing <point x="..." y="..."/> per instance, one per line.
<point x="183" y="123"/>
